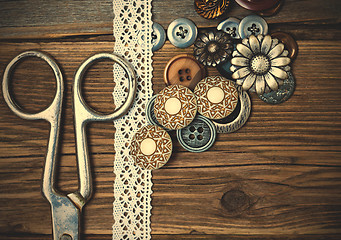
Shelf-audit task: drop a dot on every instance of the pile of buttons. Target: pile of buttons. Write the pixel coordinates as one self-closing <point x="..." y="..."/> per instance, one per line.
<point x="198" y="106"/>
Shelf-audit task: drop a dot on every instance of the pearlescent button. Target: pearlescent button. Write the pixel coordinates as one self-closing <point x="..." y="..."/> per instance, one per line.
<point x="151" y="147"/>
<point x="158" y="36"/>
<point x="182" y="32"/>
<point x="238" y="117"/>
<point x="198" y="136"/>
<point x="257" y="5"/>
<point x="252" y="25"/>
<point x="230" y="26"/>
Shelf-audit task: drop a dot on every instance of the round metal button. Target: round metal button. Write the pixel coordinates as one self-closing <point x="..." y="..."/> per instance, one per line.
<point x="175" y="107"/>
<point x="283" y="93"/>
<point x="289" y="43"/>
<point x="182" y="32"/>
<point x="238" y="117"/>
<point x="217" y="97"/>
<point x="158" y="36"/>
<point x="198" y="136"/>
<point x="151" y="147"/>
<point x="184" y="70"/>
<point x="252" y="24"/>
<point x="211" y="9"/>
<point x="230" y="26"/>
<point x="257" y="5"/>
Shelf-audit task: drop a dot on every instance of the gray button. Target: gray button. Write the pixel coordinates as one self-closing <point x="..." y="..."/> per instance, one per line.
<point x="198" y="136"/>
<point x="182" y="32"/>
<point x="252" y="24"/>
<point x="158" y="37"/>
<point x="231" y="27"/>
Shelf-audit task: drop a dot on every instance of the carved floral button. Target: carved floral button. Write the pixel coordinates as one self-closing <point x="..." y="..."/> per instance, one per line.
<point x="182" y="32"/>
<point x="252" y="25"/>
<point x="217" y="97"/>
<point x="184" y="70"/>
<point x="158" y="36"/>
<point x="289" y="43"/>
<point x="151" y="147"/>
<point x="175" y="107"/>
<point x="230" y="26"/>
<point x="211" y="9"/>
<point x="257" y="5"/>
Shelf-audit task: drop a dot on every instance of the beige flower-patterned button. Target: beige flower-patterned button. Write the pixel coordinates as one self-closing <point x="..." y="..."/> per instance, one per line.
<point x="151" y="147"/>
<point x="217" y="97"/>
<point x="175" y="107"/>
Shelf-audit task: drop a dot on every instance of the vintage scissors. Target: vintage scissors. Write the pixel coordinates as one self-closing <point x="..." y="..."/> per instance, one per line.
<point x="66" y="209"/>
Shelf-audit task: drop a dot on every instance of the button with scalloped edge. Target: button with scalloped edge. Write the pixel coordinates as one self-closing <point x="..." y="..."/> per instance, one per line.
<point x="230" y="26"/>
<point x="175" y="107"/>
<point x="252" y="25"/>
<point x="217" y="97"/>
<point x="158" y="36"/>
<point x="151" y="147"/>
<point x="257" y="5"/>
<point x="182" y="32"/>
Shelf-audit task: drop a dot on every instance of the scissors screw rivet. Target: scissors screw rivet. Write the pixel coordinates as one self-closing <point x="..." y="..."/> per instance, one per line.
<point x="65" y="237"/>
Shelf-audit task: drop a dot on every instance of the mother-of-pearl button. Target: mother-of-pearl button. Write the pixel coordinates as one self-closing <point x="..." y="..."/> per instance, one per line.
<point x="148" y="146"/>
<point x="215" y="95"/>
<point x="173" y="106"/>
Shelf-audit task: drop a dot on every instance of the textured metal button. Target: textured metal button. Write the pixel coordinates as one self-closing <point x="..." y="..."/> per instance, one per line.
<point x="283" y="93"/>
<point x="211" y="9"/>
<point x="182" y="32"/>
<point x="158" y="36"/>
<point x="151" y="119"/>
<point x="238" y="117"/>
<point x="257" y="5"/>
<point x="217" y="97"/>
<point x="252" y="25"/>
<point x="289" y="43"/>
<point x="230" y="26"/>
<point x="175" y="107"/>
<point x="184" y="70"/>
<point x="198" y="136"/>
<point x="151" y="147"/>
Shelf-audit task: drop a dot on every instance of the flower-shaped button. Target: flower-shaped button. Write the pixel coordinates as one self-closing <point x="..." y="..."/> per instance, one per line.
<point x="151" y="147"/>
<point x="252" y="25"/>
<point x="230" y="26"/>
<point x="217" y="97"/>
<point x="257" y="5"/>
<point x="182" y="32"/>
<point x="175" y="107"/>
<point x="158" y="36"/>
<point x="211" y="9"/>
<point x="260" y="64"/>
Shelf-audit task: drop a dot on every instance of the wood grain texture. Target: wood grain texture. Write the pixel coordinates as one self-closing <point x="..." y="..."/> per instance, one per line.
<point x="276" y="178"/>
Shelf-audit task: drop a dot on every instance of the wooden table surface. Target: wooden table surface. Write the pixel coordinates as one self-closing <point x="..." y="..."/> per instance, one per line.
<point x="279" y="177"/>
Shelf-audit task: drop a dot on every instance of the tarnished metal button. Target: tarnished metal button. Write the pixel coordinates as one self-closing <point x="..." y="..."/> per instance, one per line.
<point x="257" y="5"/>
<point x="182" y="32"/>
<point x="198" y="136"/>
<point x="211" y="9"/>
<point x="238" y="117"/>
<point x="217" y="97"/>
<point x="230" y="26"/>
<point x="151" y="147"/>
<point x="184" y="70"/>
<point x="283" y="93"/>
<point x="289" y="43"/>
<point x="252" y="25"/>
<point x="158" y="36"/>
<point x="175" y="107"/>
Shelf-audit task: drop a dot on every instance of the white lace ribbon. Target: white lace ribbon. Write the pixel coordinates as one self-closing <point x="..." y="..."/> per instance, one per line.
<point x="132" y="186"/>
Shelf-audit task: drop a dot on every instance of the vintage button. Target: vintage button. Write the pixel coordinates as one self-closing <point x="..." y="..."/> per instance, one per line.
<point x="211" y="9"/>
<point x="271" y="11"/>
<point x="217" y="97"/>
<point x="238" y="117"/>
<point x="224" y="69"/>
<point x="289" y="43"/>
<point x="230" y="26"/>
<point x="151" y="147"/>
<point x="182" y="32"/>
<point x="283" y="93"/>
<point x="198" y="136"/>
<point x="158" y="36"/>
<point x="257" y="5"/>
<point x="184" y="70"/>
<point x="252" y="25"/>
<point x="175" y="107"/>
<point x="151" y="119"/>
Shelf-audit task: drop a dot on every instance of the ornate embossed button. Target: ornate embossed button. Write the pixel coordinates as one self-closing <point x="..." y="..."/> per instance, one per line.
<point x="211" y="9"/>
<point x="184" y="70"/>
<point x="175" y="107"/>
<point x="238" y="117"/>
<point x="289" y="43"/>
<point x="151" y="147"/>
<point x="252" y="25"/>
<point x="257" y="5"/>
<point x="230" y="26"/>
<point x="158" y="36"/>
<point x="217" y="97"/>
<point x="151" y="119"/>
<point x="182" y="32"/>
<point x="198" y="136"/>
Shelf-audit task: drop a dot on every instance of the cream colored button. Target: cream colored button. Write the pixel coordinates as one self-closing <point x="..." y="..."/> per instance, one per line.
<point x="215" y="95"/>
<point x="173" y="106"/>
<point x="148" y="146"/>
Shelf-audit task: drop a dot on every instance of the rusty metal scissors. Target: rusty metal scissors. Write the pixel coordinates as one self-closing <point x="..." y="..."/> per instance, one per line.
<point x="66" y="209"/>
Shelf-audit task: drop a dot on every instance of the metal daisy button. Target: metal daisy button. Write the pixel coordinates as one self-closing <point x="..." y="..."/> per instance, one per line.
<point x="198" y="136"/>
<point x="230" y="26"/>
<point x="158" y="36"/>
<point x="182" y="32"/>
<point x="175" y="107"/>
<point x="151" y="147"/>
<point x="217" y="97"/>
<point x="252" y="25"/>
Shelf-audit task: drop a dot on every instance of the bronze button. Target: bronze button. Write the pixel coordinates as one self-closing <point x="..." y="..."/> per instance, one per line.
<point x="289" y="43"/>
<point x="184" y="70"/>
<point x="211" y="9"/>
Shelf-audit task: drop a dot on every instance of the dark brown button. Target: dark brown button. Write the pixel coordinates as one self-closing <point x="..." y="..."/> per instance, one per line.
<point x="272" y="11"/>
<point x="257" y="5"/>
<point x="288" y="41"/>
<point x="184" y="70"/>
<point x="211" y="9"/>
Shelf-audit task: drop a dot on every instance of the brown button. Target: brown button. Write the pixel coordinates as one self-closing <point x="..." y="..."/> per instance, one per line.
<point x="211" y="9"/>
<point x="184" y="70"/>
<point x="288" y="41"/>
<point x="257" y="5"/>
<point x="272" y="11"/>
